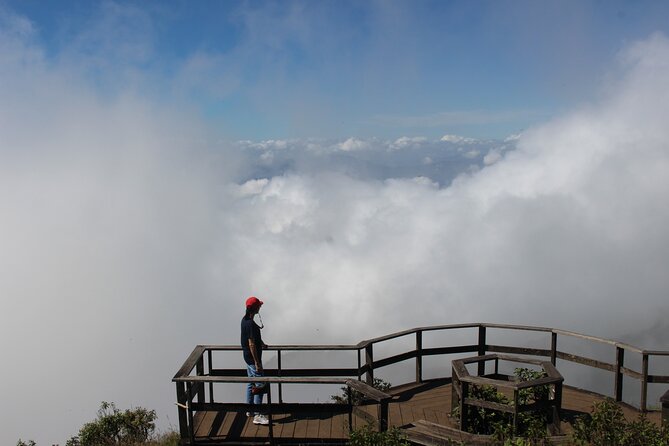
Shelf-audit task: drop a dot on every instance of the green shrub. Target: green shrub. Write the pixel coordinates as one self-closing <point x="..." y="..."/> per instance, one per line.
<point x="165" y="439"/>
<point x="366" y="436"/>
<point x="607" y="426"/>
<point x="113" y="427"/>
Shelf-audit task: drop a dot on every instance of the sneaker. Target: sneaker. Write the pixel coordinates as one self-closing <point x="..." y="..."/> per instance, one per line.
<point x="260" y="419"/>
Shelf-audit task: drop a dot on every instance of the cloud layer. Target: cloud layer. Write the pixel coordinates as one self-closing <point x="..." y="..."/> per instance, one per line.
<point x="127" y="240"/>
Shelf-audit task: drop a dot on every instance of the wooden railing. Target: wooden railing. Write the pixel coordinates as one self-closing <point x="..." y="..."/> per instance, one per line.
<point x="197" y="376"/>
<point x="462" y="398"/>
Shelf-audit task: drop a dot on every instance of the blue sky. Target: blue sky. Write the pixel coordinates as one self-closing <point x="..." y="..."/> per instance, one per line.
<point x="258" y="70"/>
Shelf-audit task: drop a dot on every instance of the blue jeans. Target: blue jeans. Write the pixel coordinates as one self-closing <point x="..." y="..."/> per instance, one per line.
<point x="250" y="397"/>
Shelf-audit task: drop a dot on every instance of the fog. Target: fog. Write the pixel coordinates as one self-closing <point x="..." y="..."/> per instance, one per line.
<point x="129" y="234"/>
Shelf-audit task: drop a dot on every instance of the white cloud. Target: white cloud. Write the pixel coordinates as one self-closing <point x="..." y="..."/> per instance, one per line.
<point x="252" y="187"/>
<point x="408" y="142"/>
<point x="352" y="144"/>
<point x="455" y="139"/>
<point x="126" y="242"/>
<point x="492" y="156"/>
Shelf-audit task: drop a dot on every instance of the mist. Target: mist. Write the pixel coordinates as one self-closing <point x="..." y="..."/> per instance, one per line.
<point x="130" y="234"/>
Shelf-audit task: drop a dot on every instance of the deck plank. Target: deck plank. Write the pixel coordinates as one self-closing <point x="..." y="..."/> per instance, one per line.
<point x="312" y="428"/>
<point x="431" y="403"/>
<point x="288" y="426"/>
<point x="300" y="428"/>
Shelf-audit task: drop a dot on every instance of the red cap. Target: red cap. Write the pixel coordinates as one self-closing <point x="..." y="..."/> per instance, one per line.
<point x="253" y="301"/>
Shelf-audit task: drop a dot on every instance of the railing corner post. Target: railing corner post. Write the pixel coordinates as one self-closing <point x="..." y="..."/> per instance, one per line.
<point x="553" y="347"/>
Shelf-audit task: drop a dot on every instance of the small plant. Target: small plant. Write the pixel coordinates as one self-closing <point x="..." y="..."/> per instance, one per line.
<point x="357" y="397"/>
<point x="366" y="436"/>
<point x="23" y="443"/>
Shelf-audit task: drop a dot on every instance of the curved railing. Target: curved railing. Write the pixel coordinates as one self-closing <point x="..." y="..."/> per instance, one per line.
<point x="197" y="376"/>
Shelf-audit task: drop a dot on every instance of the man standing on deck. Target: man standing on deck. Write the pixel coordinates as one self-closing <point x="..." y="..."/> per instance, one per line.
<point x="252" y="346"/>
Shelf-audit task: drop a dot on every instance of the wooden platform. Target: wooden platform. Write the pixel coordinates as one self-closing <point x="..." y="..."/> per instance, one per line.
<point x="430" y="401"/>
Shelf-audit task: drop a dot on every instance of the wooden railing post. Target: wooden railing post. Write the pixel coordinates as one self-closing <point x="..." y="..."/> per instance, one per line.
<point x="620" y="360"/>
<point x="515" y="410"/>
<point x="269" y="414"/>
<point x="211" y="384"/>
<point x="189" y="411"/>
<point x="644" y="382"/>
<point x="455" y="390"/>
<point x="464" y="416"/>
<point x="200" y="372"/>
<point x="557" y="404"/>
<point x="419" y="357"/>
<point x="278" y="366"/>
<point x="553" y="347"/>
<point x="482" y="349"/>
<point x="349" y="397"/>
<point x="383" y="415"/>
<point x="664" y="399"/>
<point x="182" y="405"/>
<point x="369" y="362"/>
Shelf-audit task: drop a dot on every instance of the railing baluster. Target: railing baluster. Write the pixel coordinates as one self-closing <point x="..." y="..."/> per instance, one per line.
<point x="419" y="357"/>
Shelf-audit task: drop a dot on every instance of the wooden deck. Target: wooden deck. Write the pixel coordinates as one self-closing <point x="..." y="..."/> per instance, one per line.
<point x="430" y="401"/>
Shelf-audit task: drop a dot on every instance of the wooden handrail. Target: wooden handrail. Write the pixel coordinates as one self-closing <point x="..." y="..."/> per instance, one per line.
<point x="367" y="366"/>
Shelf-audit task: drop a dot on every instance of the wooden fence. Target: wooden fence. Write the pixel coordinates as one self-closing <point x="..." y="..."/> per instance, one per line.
<point x="196" y="378"/>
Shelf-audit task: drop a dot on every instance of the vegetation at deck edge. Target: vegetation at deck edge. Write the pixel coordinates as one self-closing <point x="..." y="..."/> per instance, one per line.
<point x="114" y="427"/>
